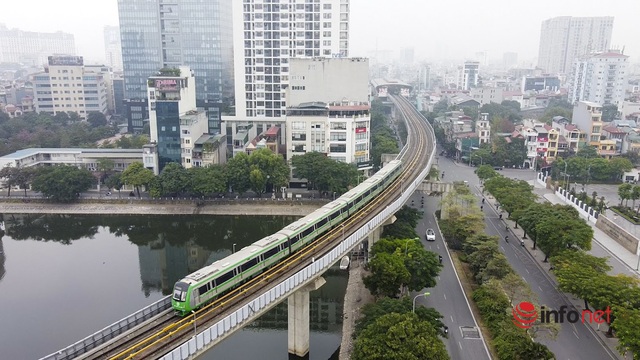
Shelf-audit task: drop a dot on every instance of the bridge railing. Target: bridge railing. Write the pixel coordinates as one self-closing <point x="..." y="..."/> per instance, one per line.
<point x="103" y="336"/>
<point x="281" y="291"/>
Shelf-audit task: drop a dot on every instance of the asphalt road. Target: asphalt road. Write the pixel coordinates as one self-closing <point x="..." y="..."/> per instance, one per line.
<point x="447" y="296"/>
<point x="574" y="341"/>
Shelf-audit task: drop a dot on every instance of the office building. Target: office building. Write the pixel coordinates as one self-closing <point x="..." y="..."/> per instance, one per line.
<point x="68" y="85"/>
<point x="600" y="78"/>
<point x="33" y="48"/>
<point x="564" y="39"/>
<point x="172" y="95"/>
<point x="328" y="109"/>
<point x="113" y="47"/>
<point x="540" y="83"/>
<point x="168" y="34"/>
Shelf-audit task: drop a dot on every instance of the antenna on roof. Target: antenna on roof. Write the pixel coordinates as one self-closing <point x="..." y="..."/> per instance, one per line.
<point x="622" y="52"/>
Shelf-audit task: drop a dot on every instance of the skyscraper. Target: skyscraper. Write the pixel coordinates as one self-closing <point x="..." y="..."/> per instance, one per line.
<point x="170" y="33"/>
<point x="267" y="35"/>
<point x="113" y="47"/>
<point x="564" y="39"/>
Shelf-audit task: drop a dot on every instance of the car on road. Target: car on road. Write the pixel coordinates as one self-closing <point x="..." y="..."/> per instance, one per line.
<point x="431" y="235"/>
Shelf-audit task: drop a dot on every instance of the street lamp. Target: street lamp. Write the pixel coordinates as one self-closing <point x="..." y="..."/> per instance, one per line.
<point x="414" y="300"/>
<point x="195" y="332"/>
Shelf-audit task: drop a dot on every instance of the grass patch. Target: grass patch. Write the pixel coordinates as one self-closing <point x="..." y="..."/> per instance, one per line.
<point x="626" y="213"/>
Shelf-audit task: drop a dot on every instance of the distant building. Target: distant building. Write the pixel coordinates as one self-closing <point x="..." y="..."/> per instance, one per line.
<point x="564" y="39"/>
<point x="509" y="60"/>
<point x="87" y="158"/>
<point x="487" y="95"/>
<point x="468" y="75"/>
<point x="118" y="94"/>
<point x="587" y="116"/>
<point x="68" y="85"/>
<point x="113" y="47"/>
<point x="540" y="83"/>
<point x="483" y="129"/>
<point x="600" y="78"/>
<point x="33" y="48"/>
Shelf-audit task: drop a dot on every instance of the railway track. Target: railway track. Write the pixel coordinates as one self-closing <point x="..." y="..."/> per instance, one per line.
<point x="166" y="331"/>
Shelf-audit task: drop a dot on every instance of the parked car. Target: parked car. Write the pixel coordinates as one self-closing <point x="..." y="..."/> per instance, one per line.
<point x="498" y="168"/>
<point x="431" y="235"/>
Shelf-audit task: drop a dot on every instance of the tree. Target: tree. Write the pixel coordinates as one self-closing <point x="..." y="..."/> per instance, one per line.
<point x="114" y="181"/>
<point x="609" y="112"/>
<point x="388" y="274"/>
<point x="273" y="168"/>
<point x="624" y="192"/>
<point x="208" y="180"/>
<point x="617" y="167"/>
<point x="63" y="183"/>
<point x="96" y="118"/>
<point x="105" y="166"/>
<point x="173" y="180"/>
<point x="558" y="233"/>
<point x="137" y="175"/>
<point x="371" y="312"/>
<point x="553" y="111"/>
<point x="627" y="323"/>
<point x="238" y="169"/>
<point x="258" y="181"/>
<point x="10" y="176"/>
<point x="587" y="152"/>
<point x="576" y="271"/>
<point x="399" y="336"/>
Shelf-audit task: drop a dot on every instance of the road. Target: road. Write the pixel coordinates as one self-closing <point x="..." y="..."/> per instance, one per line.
<point x="574" y="341"/>
<point x="447" y="296"/>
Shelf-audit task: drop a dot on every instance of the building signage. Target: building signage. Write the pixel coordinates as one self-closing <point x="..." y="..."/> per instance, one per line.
<point x="361" y="130"/>
<point x="543" y="139"/>
<point x="58" y="60"/>
<point x="360" y="153"/>
<point x="364" y="164"/>
<point x="166" y="84"/>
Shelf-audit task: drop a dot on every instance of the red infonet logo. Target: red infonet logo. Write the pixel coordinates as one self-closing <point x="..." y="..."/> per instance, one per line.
<point x="524" y="315"/>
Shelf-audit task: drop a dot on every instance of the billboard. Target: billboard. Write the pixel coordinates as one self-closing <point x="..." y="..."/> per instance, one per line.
<point x="166" y="84"/>
<point x="361" y="130"/>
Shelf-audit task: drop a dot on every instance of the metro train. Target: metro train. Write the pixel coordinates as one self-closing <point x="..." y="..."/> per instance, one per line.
<point x="206" y="284"/>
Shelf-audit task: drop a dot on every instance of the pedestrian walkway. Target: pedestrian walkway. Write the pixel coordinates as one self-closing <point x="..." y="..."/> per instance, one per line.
<point x="538" y="256"/>
<point x="629" y="259"/>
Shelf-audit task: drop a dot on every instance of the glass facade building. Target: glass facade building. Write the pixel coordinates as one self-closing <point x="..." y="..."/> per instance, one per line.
<point x="168" y="120"/>
<point x="171" y="33"/>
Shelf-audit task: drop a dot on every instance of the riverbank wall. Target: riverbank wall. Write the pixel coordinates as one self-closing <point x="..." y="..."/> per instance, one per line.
<point x="166" y="207"/>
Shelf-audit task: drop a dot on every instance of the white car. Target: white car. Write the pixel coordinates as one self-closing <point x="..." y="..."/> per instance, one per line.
<point x="431" y="235"/>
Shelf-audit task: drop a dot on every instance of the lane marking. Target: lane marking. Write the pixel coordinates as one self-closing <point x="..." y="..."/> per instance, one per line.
<point x="527" y="271"/>
<point x="451" y="316"/>
<point x="445" y="296"/>
<point x="525" y="280"/>
<point x="460" y="345"/>
<point x="574" y="333"/>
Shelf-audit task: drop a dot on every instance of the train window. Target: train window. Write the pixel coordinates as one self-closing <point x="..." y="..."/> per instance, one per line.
<point x="307" y="232"/>
<point x="203" y="289"/>
<point x="283" y="246"/>
<point x="322" y="222"/>
<point x="295" y="239"/>
<point x="249" y="264"/>
<point x="334" y="215"/>
<point x="271" y="252"/>
<point x="224" y="278"/>
<point x="350" y="205"/>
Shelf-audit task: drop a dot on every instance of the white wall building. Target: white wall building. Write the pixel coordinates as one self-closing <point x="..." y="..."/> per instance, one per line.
<point x="267" y="35"/>
<point x="487" y="95"/>
<point x="564" y="39"/>
<point x="68" y="85"/>
<point x="113" y="47"/>
<point x="483" y="129"/>
<point x="468" y="75"/>
<point x="71" y="156"/>
<point x="600" y="78"/>
<point x="329" y="109"/>
<point x="193" y="125"/>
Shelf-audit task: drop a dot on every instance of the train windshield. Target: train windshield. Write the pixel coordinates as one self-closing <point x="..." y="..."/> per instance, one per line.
<point x="180" y="292"/>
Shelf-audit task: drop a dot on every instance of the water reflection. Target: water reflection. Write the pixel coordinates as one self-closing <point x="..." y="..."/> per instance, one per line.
<point x="169" y="246"/>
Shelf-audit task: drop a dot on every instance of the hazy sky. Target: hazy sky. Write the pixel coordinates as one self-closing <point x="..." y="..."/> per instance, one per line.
<point x="435" y="29"/>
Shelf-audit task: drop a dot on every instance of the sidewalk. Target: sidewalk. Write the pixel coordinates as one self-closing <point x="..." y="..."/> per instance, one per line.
<point x="614" y="249"/>
<point x="538" y="257"/>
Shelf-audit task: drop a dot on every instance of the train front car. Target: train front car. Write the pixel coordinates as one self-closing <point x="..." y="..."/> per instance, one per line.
<point x="179" y="299"/>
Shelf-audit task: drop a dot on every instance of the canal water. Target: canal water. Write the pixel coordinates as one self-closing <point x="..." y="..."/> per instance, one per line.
<point x="63" y="277"/>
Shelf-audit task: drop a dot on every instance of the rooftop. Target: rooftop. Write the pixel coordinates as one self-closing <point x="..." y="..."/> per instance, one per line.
<point x="20" y="154"/>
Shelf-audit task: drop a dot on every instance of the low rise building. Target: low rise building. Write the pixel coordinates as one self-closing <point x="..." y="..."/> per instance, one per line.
<point x="87" y="158"/>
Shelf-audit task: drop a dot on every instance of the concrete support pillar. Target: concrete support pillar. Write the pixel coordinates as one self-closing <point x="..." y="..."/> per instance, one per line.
<point x="375" y="234"/>
<point x="299" y="318"/>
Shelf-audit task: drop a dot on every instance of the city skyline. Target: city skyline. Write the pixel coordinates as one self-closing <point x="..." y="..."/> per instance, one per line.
<point x="458" y="35"/>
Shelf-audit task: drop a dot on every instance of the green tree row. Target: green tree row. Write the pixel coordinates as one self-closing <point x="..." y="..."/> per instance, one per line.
<point x="43" y="130"/>
<point x="585" y="276"/>
<point x="62" y="183"/>
<point x="552" y="227"/>
<point x="584" y="169"/>
<point x="325" y="174"/>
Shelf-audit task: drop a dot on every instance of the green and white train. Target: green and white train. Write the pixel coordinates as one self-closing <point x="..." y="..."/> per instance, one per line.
<point x="204" y="285"/>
